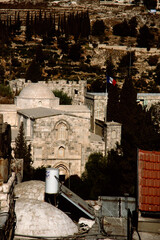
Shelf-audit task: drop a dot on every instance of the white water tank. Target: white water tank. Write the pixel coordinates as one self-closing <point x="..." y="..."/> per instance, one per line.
<point x="52" y="186"/>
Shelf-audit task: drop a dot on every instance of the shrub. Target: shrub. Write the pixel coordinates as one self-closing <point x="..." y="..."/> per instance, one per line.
<point x="5" y="91"/>
<point x="64" y="98"/>
<point x="75" y="52"/>
<point x="98" y="28"/>
<point x="153" y="60"/>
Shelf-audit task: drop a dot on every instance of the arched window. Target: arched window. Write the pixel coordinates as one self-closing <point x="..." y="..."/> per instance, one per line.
<point x="61" y="131"/>
<point x="114" y="134"/>
<point x="61" y="152"/>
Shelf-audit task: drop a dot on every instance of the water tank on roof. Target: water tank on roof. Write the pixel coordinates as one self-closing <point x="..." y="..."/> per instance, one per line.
<point x="52" y="186"/>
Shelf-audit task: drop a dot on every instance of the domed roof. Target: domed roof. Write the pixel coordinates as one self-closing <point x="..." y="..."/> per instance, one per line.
<point x="30" y="189"/>
<point x="39" y="218"/>
<point x="36" y="90"/>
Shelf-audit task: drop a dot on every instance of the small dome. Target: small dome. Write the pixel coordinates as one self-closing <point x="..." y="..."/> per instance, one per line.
<point x="33" y="189"/>
<point x="36" y="90"/>
<point x="37" y="218"/>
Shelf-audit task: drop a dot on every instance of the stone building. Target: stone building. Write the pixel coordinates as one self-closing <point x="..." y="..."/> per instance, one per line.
<point x="74" y="89"/>
<point x="60" y="135"/>
<point x="63" y="136"/>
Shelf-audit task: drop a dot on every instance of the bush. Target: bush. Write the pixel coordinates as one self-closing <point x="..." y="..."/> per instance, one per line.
<point x="98" y="28"/>
<point x="75" y="52"/>
<point x="5" y="91"/>
<point x="121" y="29"/>
<point x="153" y="60"/>
<point x="64" y="98"/>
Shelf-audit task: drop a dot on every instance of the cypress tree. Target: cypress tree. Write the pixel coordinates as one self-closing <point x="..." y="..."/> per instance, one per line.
<point x="28" y="27"/>
<point x="20" y="150"/>
<point x="113" y="104"/>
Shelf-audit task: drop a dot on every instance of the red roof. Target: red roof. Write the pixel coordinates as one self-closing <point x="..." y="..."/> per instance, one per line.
<point x="149" y="180"/>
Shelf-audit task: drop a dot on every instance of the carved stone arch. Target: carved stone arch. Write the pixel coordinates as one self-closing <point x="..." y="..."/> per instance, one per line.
<point x="63" y="169"/>
<point x="61" y="130"/>
<point x="61" y="152"/>
<point x="64" y="122"/>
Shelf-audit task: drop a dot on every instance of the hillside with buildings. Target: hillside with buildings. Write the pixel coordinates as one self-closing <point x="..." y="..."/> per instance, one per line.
<point x="105" y="145"/>
<point x="122" y="37"/>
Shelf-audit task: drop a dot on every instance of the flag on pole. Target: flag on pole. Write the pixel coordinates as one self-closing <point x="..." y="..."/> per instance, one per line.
<point x="111" y="80"/>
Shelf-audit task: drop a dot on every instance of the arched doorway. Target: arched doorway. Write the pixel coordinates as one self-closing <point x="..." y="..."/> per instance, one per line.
<point x="64" y="171"/>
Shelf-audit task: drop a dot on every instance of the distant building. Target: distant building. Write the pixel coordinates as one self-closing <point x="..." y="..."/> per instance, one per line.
<point x="59" y="134"/>
<point x="63" y="136"/>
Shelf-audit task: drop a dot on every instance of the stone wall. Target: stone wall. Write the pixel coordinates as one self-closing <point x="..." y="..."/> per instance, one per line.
<point x="74" y="89"/>
<point x="148" y="99"/>
<point x="7" y="215"/>
<point x="96" y="102"/>
<point x="50" y="148"/>
<point x="112" y="135"/>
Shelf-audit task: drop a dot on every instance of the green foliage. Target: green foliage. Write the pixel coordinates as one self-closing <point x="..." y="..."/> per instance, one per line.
<point x="39" y="54"/>
<point x="125" y="28"/>
<point x="22" y="151"/>
<point x="95" y="175"/>
<point x="110" y="68"/>
<point x="5" y="91"/>
<point x="39" y="173"/>
<point x="28" y="31"/>
<point x="121" y="29"/>
<point x="63" y="44"/>
<point x="113" y="103"/>
<point x="125" y="67"/>
<point x="133" y="27"/>
<point x="150" y="4"/>
<point x="75" y="183"/>
<point x="64" y="98"/>
<point x="153" y="60"/>
<point x="98" y="28"/>
<point x="145" y="38"/>
<point x="75" y="52"/>
<point x="98" y="85"/>
<point x="2" y="74"/>
<point x="15" y="62"/>
<point x="157" y="74"/>
<point x="34" y="72"/>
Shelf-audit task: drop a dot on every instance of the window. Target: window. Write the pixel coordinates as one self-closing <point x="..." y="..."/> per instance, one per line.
<point x="61" y="152"/>
<point x="62" y="131"/>
<point x="114" y="134"/>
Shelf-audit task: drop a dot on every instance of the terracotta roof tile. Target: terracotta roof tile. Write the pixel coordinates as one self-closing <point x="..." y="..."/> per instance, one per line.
<point x="149" y="180"/>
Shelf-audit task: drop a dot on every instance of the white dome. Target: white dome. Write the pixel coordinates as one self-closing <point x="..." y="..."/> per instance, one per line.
<point x="36" y="90"/>
<point x="37" y="218"/>
<point x="33" y="189"/>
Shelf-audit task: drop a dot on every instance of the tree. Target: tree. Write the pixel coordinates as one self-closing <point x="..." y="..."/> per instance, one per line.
<point x="39" y="54"/>
<point x="125" y="67"/>
<point x="64" y="98"/>
<point x="34" y="72"/>
<point x="113" y="104"/>
<point x="121" y="29"/>
<point x="75" y="52"/>
<point x="145" y="38"/>
<point x="95" y="175"/>
<point x="22" y="151"/>
<point x="133" y="27"/>
<point x="2" y="74"/>
<point x="157" y="74"/>
<point x="110" y="68"/>
<point x="28" y="28"/>
<point x="98" y="28"/>
<point x="150" y="4"/>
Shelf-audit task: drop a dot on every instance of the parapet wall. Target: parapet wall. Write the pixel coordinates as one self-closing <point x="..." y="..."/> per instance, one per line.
<point x="7" y="214"/>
